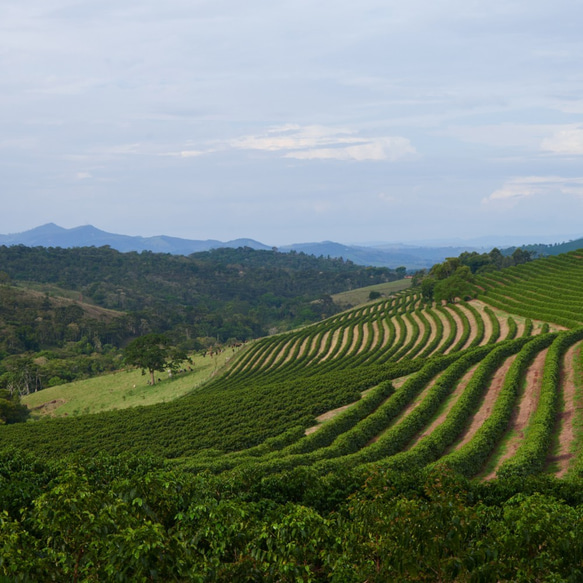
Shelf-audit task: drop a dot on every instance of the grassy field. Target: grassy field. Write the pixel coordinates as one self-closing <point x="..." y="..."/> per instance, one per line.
<point x="359" y="296"/>
<point x="124" y="389"/>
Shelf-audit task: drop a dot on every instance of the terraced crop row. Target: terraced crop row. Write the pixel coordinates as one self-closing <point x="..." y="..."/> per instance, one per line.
<point x="486" y="387"/>
<point x="548" y="290"/>
<point x="382" y="333"/>
<point x="456" y="410"/>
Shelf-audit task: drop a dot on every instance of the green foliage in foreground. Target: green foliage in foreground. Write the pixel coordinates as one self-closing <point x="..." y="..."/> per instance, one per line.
<point x="130" y="519"/>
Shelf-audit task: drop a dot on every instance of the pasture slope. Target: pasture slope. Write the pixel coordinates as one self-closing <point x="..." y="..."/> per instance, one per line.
<point x="490" y="387"/>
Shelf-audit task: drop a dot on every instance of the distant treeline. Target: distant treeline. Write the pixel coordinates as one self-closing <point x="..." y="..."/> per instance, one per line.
<point x="544" y="250"/>
<point x="454" y="277"/>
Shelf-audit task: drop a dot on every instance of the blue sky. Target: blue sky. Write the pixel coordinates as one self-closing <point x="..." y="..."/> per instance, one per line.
<point x="289" y="121"/>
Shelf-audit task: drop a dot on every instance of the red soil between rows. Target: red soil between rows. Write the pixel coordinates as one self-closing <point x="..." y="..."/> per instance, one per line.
<point x="487" y="403"/>
<point x="526" y="406"/>
<point x="566" y="427"/>
<point x="460" y="388"/>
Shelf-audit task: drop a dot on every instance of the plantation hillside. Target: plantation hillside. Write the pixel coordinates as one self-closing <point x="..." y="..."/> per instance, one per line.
<point x="404" y="439"/>
<point x="418" y="383"/>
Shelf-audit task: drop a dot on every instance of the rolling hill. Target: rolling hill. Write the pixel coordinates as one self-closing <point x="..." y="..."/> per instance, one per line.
<point x="424" y="384"/>
<point x="398" y="440"/>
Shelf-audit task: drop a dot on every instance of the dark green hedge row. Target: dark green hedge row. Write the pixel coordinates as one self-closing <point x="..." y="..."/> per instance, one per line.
<point x="470" y="458"/>
<point x="433" y="446"/>
<point x="531" y="455"/>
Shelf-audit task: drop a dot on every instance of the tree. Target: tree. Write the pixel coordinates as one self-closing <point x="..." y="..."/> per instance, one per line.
<point x="458" y="285"/>
<point x="11" y="410"/>
<point x="153" y="352"/>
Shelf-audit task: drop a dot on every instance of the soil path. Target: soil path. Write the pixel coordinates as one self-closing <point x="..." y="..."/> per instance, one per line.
<point x="487" y="403"/>
<point x="460" y="388"/>
<point x="387" y="333"/>
<point x="459" y="329"/>
<point x="333" y="344"/>
<point x="408" y="328"/>
<point x="364" y="338"/>
<point x="421" y="331"/>
<point x="567" y="429"/>
<point x="526" y="407"/>
<point x="356" y="339"/>
<point x="432" y="333"/>
<point x="281" y="353"/>
<point x="503" y="321"/>
<point x="487" y="326"/>
<point x="302" y="342"/>
<point x="472" y="320"/>
<point x="410" y="407"/>
<point x="322" y="339"/>
<point x="258" y="357"/>
<point x="446" y="327"/>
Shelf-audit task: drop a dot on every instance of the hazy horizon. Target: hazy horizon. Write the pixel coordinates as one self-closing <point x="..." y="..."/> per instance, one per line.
<point x="293" y="121"/>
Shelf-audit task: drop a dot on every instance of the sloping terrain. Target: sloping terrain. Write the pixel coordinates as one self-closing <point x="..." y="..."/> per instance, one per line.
<point x="397" y="382"/>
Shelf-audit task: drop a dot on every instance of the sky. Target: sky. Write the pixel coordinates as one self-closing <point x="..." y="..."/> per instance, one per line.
<point x="293" y="121"/>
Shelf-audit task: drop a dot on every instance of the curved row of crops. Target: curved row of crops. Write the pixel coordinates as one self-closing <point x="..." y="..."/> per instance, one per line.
<point x="398" y="383"/>
<point x="449" y="395"/>
<point x="388" y="331"/>
<point x="548" y="289"/>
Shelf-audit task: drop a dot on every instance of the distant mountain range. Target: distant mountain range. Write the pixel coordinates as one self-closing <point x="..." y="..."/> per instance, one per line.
<point x="377" y="255"/>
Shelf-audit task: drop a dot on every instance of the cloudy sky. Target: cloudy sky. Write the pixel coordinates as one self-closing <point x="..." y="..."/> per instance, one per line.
<point x="290" y="121"/>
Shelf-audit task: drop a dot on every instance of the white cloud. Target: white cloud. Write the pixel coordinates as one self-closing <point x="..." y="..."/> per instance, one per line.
<point x="522" y="187"/>
<point x="84" y="175"/>
<point x="186" y="153"/>
<point x="321" y="143"/>
<point x="567" y="141"/>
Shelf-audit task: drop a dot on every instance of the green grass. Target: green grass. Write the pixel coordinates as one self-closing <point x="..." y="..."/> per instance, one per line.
<point x="359" y="296"/>
<point x="124" y="389"/>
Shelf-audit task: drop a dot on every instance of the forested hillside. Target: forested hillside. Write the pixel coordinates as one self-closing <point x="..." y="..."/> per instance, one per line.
<point x="65" y="313"/>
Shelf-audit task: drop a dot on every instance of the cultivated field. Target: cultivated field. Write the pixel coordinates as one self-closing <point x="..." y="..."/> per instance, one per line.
<point x="491" y="387"/>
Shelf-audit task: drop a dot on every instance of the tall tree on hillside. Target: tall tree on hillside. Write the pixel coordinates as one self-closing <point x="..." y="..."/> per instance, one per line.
<point x="153" y="352"/>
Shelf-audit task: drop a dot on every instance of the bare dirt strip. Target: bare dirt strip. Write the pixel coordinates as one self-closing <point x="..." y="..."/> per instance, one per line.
<point x="387" y="334"/>
<point x="460" y="388"/>
<point x="328" y="415"/>
<point x="376" y="330"/>
<point x="333" y="344"/>
<point x="432" y="334"/>
<point x="446" y="327"/>
<point x="503" y="315"/>
<point x="459" y="330"/>
<point x="291" y="352"/>
<point x="345" y="333"/>
<point x="421" y="331"/>
<point x="364" y="338"/>
<point x="473" y="324"/>
<point x="258" y="357"/>
<point x="566" y="427"/>
<point x="322" y="339"/>
<point x="356" y="339"/>
<point x="503" y="321"/>
<point x="408" y="328"/>
<point x="487" y="403"/>
<point x="526" y="407"/>
<point x="281" y="353"/>
<point x="410" y="407"/>
<point x="487" y="325"/>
